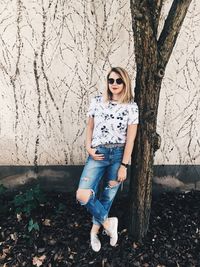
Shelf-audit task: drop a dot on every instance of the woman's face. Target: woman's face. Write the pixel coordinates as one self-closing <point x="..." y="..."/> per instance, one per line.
<point x="116" y="85"/>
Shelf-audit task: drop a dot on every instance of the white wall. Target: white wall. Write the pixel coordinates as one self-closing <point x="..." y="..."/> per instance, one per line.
<point x="179" y="110"/>
<point x="54" y="57"/>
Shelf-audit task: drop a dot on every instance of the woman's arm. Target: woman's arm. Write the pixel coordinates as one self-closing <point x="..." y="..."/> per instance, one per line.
<point x="89" y="132"/>
<point x="131" y="134"/>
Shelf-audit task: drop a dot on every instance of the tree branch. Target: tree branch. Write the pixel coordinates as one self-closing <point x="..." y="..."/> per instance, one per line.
<point x="171" y="29"/>
<point x="143" y="29"/>
<point x="155" y="7"/>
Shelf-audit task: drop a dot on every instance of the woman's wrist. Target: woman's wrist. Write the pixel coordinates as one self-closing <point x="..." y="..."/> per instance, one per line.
<point x="125" y="165"/>
<point x="88" y="146"/>
<point x="88" y="149"/>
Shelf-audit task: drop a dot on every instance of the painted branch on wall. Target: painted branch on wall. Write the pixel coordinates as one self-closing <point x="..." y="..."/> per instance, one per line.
<point x="54" y="57"/>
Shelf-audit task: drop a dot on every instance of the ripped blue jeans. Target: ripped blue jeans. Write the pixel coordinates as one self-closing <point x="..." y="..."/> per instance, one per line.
<point x="91" y="176"/>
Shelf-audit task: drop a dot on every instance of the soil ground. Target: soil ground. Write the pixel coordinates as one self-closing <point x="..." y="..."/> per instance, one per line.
<point x="173" y="238"/>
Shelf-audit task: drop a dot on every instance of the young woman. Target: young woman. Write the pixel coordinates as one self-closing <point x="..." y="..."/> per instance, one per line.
<point x="110" y="135"/>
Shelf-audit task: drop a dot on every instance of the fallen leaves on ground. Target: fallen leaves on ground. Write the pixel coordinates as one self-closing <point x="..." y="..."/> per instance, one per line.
<point x="173" y="239"/>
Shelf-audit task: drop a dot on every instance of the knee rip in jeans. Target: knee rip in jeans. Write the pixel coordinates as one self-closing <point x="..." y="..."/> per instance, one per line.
<point x="83" y="195"/>
<point x="112" y="184"/>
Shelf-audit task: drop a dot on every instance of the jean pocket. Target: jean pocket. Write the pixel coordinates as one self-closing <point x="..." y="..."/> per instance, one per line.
<point x="97" y="151"/>
<point x="100" y="150"/>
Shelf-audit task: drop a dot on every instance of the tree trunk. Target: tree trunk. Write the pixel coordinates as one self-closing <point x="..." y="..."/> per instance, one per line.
<point x="147" y="142"/>
<point x="151" y="57"/>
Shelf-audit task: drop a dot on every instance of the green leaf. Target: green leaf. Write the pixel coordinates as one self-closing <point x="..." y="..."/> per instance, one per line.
<point x="33" y="226"/>
<point x="29" y="200"/>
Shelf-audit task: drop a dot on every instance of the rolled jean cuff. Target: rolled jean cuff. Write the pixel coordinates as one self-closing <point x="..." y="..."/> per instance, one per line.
<point x="97" y="222"/>
<point x="94" y="221"/>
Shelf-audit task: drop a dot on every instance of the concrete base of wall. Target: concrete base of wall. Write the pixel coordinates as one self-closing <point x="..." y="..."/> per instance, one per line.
<point x="66" y="178"/>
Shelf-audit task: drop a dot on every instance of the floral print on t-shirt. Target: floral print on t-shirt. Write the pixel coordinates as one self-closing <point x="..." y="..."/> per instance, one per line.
<point x="111" y="120"/>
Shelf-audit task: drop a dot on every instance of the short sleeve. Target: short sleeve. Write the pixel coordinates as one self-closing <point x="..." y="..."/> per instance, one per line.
<point x="91" y="110"/>
<point x="133" y="117"/>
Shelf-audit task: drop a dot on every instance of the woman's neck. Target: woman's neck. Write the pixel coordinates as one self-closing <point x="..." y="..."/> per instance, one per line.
<point x="114" y="99"/>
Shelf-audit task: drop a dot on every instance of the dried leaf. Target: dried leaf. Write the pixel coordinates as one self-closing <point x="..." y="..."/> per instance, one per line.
<point x="13" y="236"/>
<point x="38" y="261"/>
<point x="4" y="253"/>
<point x="76" y="224"/>
<point x="124" y="231"/>
<point x="19" y="217"/>
<point x="41" y="250"/>
<point x="71" y="257"/>
<point x="52" y="242"/>
<point x="2" y="256"/>
<point x="7" y="250"/>
<point x="47" y="222"/>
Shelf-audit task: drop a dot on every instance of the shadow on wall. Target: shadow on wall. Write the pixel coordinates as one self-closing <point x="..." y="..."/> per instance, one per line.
<point x="66" y="178"/>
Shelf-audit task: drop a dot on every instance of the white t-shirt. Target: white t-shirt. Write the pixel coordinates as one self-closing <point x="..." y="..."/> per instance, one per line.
<point x="111" y="120"/>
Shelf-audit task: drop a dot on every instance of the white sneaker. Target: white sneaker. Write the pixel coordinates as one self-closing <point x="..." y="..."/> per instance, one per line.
<point x="112" y="230"/>
<point x="95" y="242"/>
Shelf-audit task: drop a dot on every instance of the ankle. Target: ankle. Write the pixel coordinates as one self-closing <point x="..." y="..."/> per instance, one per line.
<point x="106" y="224"/>
<point x="94" y="232"/>
<point x="95" y="229"/>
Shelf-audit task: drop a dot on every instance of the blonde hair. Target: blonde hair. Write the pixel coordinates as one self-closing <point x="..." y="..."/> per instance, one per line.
<point x="127" y="96"/>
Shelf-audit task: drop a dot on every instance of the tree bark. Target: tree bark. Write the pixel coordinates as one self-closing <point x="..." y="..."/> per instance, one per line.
<point x="151" y="55"/>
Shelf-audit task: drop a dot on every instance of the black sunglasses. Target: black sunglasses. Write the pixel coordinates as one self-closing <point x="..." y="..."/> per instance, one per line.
<point x="118" y="81"/>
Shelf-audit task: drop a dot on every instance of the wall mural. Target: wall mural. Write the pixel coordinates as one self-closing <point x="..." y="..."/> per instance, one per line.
<point x="54" y="57"/>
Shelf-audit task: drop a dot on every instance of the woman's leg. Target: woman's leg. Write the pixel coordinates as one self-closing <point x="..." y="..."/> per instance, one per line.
<point x="111" y="185"/>
<point x="87" y="198"/>
<point x="109" y="192"/>
<point x="95" y="228"/>
<point x="86" y="194"/>
<point x="89" y="181"/>
<point x="107" y="196"/>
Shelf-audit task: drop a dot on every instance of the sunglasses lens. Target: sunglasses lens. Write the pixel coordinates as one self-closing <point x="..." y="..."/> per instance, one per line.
<point x="118" y="81"/>
<point x="111" y="81"/>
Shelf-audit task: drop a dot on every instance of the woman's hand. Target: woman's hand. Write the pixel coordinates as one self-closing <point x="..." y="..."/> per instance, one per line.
<point x="94" y="155"/>
<point x="122" y="173"/>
